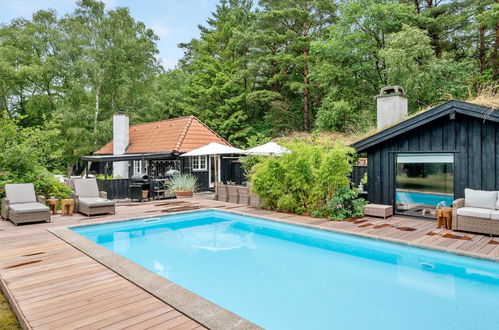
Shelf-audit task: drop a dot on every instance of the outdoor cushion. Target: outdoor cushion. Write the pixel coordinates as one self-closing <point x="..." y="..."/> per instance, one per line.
<point x="20" y="193"/>
<point x="474" y="212"/>
<point x="95" y="201"/>
<point x="480" y="198"/>
<point x="86" y="188"/>
<point x="494" y="215"/>
<point x="28" y="208"/>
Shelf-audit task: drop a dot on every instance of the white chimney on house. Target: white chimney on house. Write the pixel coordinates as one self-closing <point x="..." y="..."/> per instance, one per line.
<point x="391" y="105"/>
<point x="121" y="127"/>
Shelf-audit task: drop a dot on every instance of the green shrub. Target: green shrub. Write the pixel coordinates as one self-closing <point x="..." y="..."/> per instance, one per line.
<point x="45" y="183"/>
<point x="346" y="204"/>
<point x="303" y="180"/>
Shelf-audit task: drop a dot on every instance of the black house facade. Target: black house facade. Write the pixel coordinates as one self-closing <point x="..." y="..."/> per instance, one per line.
<point x="428" y="160"/>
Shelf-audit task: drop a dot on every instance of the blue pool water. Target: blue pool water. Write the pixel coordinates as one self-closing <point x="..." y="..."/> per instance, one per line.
<point x="282" y="276"/>
<point x="422" y="198"/>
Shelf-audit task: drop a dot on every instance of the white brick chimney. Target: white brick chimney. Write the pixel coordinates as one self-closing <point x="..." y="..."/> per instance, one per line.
<point x="120" y="143"/>
<point x="391" y="105"/>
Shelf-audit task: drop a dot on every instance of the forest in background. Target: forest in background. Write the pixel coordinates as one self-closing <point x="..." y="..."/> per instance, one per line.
<point x="258" y="70"/>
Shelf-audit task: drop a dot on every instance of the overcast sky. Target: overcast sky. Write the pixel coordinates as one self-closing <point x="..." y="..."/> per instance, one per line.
<point x="174" y="21"/>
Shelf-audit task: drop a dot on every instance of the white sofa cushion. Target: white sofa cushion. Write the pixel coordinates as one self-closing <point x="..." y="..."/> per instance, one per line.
<point x="20" y="193"/>
<point x="86" y="188"/>
<point x="480" y="199"/>
<point x="22" y="208"/>
<point x="474" y="212"/>
<point x="95" y="201"/>
<point x="494" y="215"/>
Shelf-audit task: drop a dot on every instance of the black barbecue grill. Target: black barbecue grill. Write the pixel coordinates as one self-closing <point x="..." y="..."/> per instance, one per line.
<point x="140" y="187"/>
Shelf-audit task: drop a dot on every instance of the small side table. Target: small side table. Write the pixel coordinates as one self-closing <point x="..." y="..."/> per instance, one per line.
<point x="67" y="206"/>
<point x="52" y="204"/>
<point x="444" y="217"/>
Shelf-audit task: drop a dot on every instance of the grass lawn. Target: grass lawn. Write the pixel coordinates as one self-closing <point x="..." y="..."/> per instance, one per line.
<point x="8" y="320"/>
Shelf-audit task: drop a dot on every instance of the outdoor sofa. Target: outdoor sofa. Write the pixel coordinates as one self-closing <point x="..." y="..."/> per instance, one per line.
<point x="89" y="200"/>
<point x="21" y="205"/>
<point x="477" y="212"/>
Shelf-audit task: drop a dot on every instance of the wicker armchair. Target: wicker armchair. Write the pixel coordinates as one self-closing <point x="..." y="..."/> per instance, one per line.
<point x="21" y="205"/>
<point x="475" y="224"/>
<point x="89" y="200"/>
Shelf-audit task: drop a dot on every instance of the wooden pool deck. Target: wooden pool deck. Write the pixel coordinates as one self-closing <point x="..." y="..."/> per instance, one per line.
<point x="52" y="285"/>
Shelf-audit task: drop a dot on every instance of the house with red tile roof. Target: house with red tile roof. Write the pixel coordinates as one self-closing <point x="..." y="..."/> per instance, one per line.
<point x="154" y="149"/>
<point x="177" y="135"/>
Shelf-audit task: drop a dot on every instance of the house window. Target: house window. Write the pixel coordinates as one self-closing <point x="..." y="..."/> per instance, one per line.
<point x="424" y="182"/>
<point x="137" y="166"/>
<point x="199" y="163"/>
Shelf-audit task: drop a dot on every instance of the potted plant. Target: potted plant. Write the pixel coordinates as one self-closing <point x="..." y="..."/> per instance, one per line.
<point x="183" y="185"/>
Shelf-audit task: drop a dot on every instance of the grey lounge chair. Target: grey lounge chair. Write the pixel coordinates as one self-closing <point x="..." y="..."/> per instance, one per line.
<point x="21" y="205"/>
<point x="89" y="200"/>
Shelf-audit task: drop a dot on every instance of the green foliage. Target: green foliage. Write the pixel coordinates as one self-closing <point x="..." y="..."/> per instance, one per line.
<point x="187" y="182"/>
<point x="304" y="180"/>
<point x="337" y="116"/>
<point x="410" y="61"/>
<point x="256" y="70"/>
<point x="345" y="204"/>
<point x="45" y="183"/>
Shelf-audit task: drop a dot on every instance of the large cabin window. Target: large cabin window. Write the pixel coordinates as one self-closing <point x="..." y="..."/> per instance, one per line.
<point x="424" y="182"/>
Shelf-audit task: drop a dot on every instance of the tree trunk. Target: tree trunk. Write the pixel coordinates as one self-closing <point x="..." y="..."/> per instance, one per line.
<point x="306" y="82"/>
<point x="482" y="50"/>
<point x="306" y="97"/>
<point x="495" y="55"/>
<point x="97" y="109"/>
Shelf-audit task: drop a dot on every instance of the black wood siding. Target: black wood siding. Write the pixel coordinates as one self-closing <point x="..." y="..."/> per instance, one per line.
<point x="476" y="161"/>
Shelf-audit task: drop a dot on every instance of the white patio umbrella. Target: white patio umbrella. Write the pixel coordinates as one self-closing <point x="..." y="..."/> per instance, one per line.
<point x="268" y="149"/>
<point x="215" y="149"/>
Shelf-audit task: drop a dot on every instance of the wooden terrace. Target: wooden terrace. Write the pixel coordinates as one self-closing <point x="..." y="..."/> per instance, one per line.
<point x="50" y="284"/>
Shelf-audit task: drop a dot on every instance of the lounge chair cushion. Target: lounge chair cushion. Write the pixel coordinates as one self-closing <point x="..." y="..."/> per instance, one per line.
<point x="86" y="188"/>
<point x="95" y="201"/>
<point x="474" y="212"/>
<point x="28" y="208"/>
<point x="494" y="215"/>
<point x="20" y="193"/>
<point x="480" y="198"/>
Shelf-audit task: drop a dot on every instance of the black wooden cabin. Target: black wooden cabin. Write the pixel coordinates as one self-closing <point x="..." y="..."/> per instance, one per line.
<point x="430" y="158"/>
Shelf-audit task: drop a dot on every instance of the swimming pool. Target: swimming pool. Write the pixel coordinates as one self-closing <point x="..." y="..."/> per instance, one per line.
<point x="423" y="198"/>
<point x="283" y="276"/>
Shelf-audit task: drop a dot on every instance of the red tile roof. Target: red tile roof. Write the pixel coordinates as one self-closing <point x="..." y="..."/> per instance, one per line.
<point x="173" y="135"/>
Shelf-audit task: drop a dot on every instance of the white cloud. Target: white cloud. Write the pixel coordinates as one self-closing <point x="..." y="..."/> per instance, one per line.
<point x="161" y="29"/>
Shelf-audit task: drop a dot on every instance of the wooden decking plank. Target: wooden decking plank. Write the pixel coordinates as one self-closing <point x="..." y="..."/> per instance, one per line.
<point x="50" y="299"/>
<point x="97" y="305"/>
<point x="161" y="319"/>
<point x="130" y="319"/>
<point x="79" y="282"/>
<point x="170" y="324"/>
<point x="67" y="300"/>
<point x="89" y="317"/>
<point x="189" y="325"/>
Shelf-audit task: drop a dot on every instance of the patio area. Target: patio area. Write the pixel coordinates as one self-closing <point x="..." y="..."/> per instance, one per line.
<point x="50" y="284"/>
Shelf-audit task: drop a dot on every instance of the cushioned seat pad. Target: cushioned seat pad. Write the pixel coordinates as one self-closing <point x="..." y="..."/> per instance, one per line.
<point x="95" y="201"/>
<point x="494" y="215"/>
<point x="474" y="212"/>
<point x="28" y="208"/>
